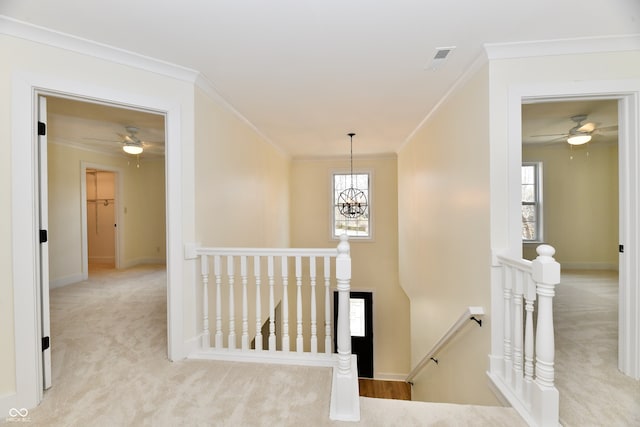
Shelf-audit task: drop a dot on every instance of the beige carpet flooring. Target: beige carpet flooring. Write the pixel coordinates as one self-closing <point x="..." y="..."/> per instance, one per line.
<point x="110" y="369"/>
<point x="593" y="392"/>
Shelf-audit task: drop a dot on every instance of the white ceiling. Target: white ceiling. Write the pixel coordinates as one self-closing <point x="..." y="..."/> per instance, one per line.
<point x="305" y="73"/>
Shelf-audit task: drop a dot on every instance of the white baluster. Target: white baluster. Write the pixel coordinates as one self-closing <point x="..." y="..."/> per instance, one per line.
<point x="285" y="305"/>
<point x="546" y="274"/>
<point x="517" y="331"/>
<point x="256" y="273"/>
<point x="232" y="311"/>
<point x="507" y="283"/>
<point x="327" y="305"/>
<point x="218" y="273"/>
<point x="245" y="310"/>
<point x="314" y="323"/>
<point x="272" y="308"/>
<point x="204" y="271"/>
<point x="529" y="297"/>
<point x="299" y="339"/>
<point x="343" y="278"/>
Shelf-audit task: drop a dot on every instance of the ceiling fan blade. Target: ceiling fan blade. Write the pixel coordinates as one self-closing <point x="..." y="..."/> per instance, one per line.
<point x="613" y="128"/>
<point x="550" y="134"/>
<point x="554" y="141"/>
<point x="101" y="139"/>
<point x="587" y="127"/>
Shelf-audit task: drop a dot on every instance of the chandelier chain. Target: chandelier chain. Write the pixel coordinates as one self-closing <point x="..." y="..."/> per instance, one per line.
<point x="352" y="201"/>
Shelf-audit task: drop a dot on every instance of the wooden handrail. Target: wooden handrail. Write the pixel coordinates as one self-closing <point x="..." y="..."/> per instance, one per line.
<point x="471" y="313"/>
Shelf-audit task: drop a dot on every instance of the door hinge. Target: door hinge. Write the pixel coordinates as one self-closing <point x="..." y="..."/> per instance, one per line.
<point x="42" y="128"/>
<point x="621" y="248"/>
<point x="45" y="343"/>
<point x="43" y="236"/>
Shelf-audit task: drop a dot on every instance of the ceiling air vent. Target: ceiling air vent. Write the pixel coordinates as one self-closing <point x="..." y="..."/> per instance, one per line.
<point x="442" y="53"/>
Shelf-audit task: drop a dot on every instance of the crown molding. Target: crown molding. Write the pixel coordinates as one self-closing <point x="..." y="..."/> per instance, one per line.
<point x="23" y="30"/>
<point x="475" y="66"/>
<point x="615" y="43"/>
<point x="335" y="158"/>
<point x="204" y="84"/>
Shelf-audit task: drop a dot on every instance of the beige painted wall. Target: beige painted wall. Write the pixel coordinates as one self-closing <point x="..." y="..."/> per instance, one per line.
<point x="580" y="203"/>
<point x="241" y="193"/>
<point x="444" y="251"/>
<point x="73" y="69"/>
<point x="242" y="182"/>
<point x="374" y="263"/>
<point x="143" y="200"/>
<point x="7" y="349"/>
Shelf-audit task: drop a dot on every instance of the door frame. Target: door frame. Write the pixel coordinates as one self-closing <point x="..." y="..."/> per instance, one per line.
<point x="25" y="89"/>
<point x="368" y="297"/>
<point x="42" y="181"/>
<point x="83" y="215"/>
<point x="628" y="95"/>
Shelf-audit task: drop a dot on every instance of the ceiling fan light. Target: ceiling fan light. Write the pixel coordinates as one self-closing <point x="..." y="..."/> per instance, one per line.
<point x="132" y="148"/>
<point x="578" y="139"/>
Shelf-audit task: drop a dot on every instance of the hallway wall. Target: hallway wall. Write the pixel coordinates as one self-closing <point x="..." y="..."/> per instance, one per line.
<point x="241" y="192"/>
<point x="444" y="250"/>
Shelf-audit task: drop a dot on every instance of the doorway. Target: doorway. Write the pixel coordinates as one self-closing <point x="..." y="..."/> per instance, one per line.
<point x="93" y="221"/>
<point x="361" y="325"/>
<point x="570" y="192"/>
<point x="27" y="87"/>
<point x="101" y="220"/>
<point x="627" y="161"/>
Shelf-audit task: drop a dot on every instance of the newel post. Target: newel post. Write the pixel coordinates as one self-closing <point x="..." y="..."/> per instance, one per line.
<point x="345" y="400"/>
<point x="546" y="274"/>
<point x="343" y="278"/>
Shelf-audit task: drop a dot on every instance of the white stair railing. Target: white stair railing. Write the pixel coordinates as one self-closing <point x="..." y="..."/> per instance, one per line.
<point x="523" y="368"/>
<point x="248" y="265"/>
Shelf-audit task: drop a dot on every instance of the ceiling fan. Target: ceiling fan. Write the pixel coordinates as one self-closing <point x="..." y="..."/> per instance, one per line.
<point x="131" y="144"/>
<point x="581" y="133"/>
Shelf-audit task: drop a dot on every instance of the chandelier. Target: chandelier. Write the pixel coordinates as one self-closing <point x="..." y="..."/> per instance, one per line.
<point x="352" y="202"/>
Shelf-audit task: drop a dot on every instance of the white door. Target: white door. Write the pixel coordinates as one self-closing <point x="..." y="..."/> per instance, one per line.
<point x="43" y="203"/>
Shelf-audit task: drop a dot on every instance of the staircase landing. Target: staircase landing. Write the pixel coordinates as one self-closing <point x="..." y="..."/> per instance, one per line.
<point x="381" y="389"/>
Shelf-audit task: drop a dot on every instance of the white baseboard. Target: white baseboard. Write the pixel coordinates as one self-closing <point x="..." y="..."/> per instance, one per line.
<point x="64" y="281"/>
<point x="267" y="357"/>
<point x="588" y="266"/>
<point x="101" y="260"/>
<point x="142" y="261"/>
<point x="7" y="401"/>
<point x="192" y="345"/>
<point x="390" y="377"/>
<point x="497" y="393"/>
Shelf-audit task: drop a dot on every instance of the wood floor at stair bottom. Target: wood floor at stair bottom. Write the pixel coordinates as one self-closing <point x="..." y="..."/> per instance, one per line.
<point x="384" y="389"/>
